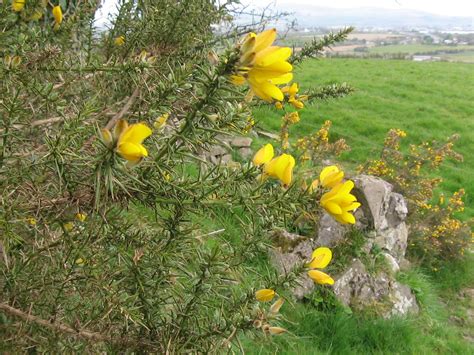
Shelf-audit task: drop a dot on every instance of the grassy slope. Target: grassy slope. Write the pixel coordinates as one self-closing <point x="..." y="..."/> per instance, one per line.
<point x="323" y="327"/>
<point x="418" y="97"/>
<point x="428" y="100"/>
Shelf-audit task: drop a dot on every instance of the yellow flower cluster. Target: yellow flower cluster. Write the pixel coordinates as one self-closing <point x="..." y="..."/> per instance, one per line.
<point x="81" y="217"/>
<point x="319" y="260"/>
<point x="292" y="117"/>
<point x="291" y="92"/>
<point x="446" y="227"/>
<point x="287" y="120"/>
<point x="411" y="172"/>
<point x="263" y="66"/>
<point x="31" y="221"/>
<point x="119" y="41"/>
<point x="317" y="145"/>
<point x="19" y="6"/>
<point x="456" y="204"/>
<point x="127" y="140"/>
<point x="338" y="202"/>
<point x="280" y="168"/>
<point x="69" y="226"/>
<point x="323" y="133"/>
<point x="392" y="139"/>
<point x="379" y="168"/>
<point x="445" y="237"/>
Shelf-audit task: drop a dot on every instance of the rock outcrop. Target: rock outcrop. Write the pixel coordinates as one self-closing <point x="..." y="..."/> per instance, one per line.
<point x="222" y="153"/>
<point x="385" y="212"/>
<point x="291" y="250"/>
<point x="356" y="288"/>
<point x="382" y="219"/>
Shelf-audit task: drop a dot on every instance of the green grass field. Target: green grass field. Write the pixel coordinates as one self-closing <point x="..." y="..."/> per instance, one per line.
<point x="427" y="100"/>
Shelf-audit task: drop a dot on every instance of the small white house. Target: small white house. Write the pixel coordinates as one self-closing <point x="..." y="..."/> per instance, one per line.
<point x="422" y="58"/>
<point x="426" y="58"/>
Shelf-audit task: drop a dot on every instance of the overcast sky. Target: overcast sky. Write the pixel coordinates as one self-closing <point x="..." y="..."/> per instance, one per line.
<point x="441" y="7"/>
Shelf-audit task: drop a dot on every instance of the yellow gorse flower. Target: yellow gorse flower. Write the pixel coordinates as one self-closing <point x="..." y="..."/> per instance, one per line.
<point x="339" y="202"/>
<point x="68" y="226"/>
<point x="119" y="41"/>
<point x="281" y="168"/>
<point x="263" y="66"/>
<point x="127" y="140"/>
<point x="292" y="91"/>
<point x="296" y="103"/>
<point x="129" y="144"/>
<point x="293" y="117"/>
<point x="36" y="16"/>
<point x="331" y="176"/>
<point x="264" y="155"/>
<point x="265" y="295"/>
<point x="81" y="216"/>
<point x="58" y="16"/>
<point x="160" y="122"/>
<point x="320" y="259"/>
<point x="18" y="5"/>
<point x="31" y="221"/>
<point x="313" y="186"/>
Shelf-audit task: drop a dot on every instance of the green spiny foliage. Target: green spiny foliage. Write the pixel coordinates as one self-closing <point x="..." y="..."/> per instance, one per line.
<point x="98" y="256"/>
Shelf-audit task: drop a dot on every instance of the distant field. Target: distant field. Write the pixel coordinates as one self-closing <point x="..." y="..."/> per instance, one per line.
<point x="458" y="53"/>
<point x="299" y="38"/>
<point x="373" y="36"/>
<point x="428" y="100"/>
<point x="467" y="57"/>
<point x="418" y="48"/>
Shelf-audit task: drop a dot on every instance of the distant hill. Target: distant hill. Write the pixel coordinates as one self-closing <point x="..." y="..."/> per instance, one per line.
<point x="315" y="16"/>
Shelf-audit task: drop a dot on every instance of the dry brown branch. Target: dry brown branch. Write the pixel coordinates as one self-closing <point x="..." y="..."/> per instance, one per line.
<point x="55" y="326"/>
<point x="124" y="109"/>
<point x="36" y="123"/>
<point x="63" y="328"/>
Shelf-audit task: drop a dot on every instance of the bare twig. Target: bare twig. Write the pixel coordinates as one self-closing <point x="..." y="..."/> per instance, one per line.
<point x="78" y="333"/>
<point x="124" y="109"/>
<point x="55" y="326"/>
<point x="36" y="123"/>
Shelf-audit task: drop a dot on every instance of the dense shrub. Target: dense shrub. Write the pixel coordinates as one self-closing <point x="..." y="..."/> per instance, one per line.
<point x="103" y="240"/>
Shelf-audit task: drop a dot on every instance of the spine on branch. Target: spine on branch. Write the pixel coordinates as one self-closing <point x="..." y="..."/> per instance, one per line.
<point x="316" y="46"/>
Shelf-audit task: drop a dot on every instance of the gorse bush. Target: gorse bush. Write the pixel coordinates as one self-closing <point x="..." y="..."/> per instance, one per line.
<point x="103" y="187"/>
<point x="437" y="234"/>
<point x="104" y="191"/>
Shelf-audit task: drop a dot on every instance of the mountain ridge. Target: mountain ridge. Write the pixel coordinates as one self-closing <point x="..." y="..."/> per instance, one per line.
<point x="318" y="16"/>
